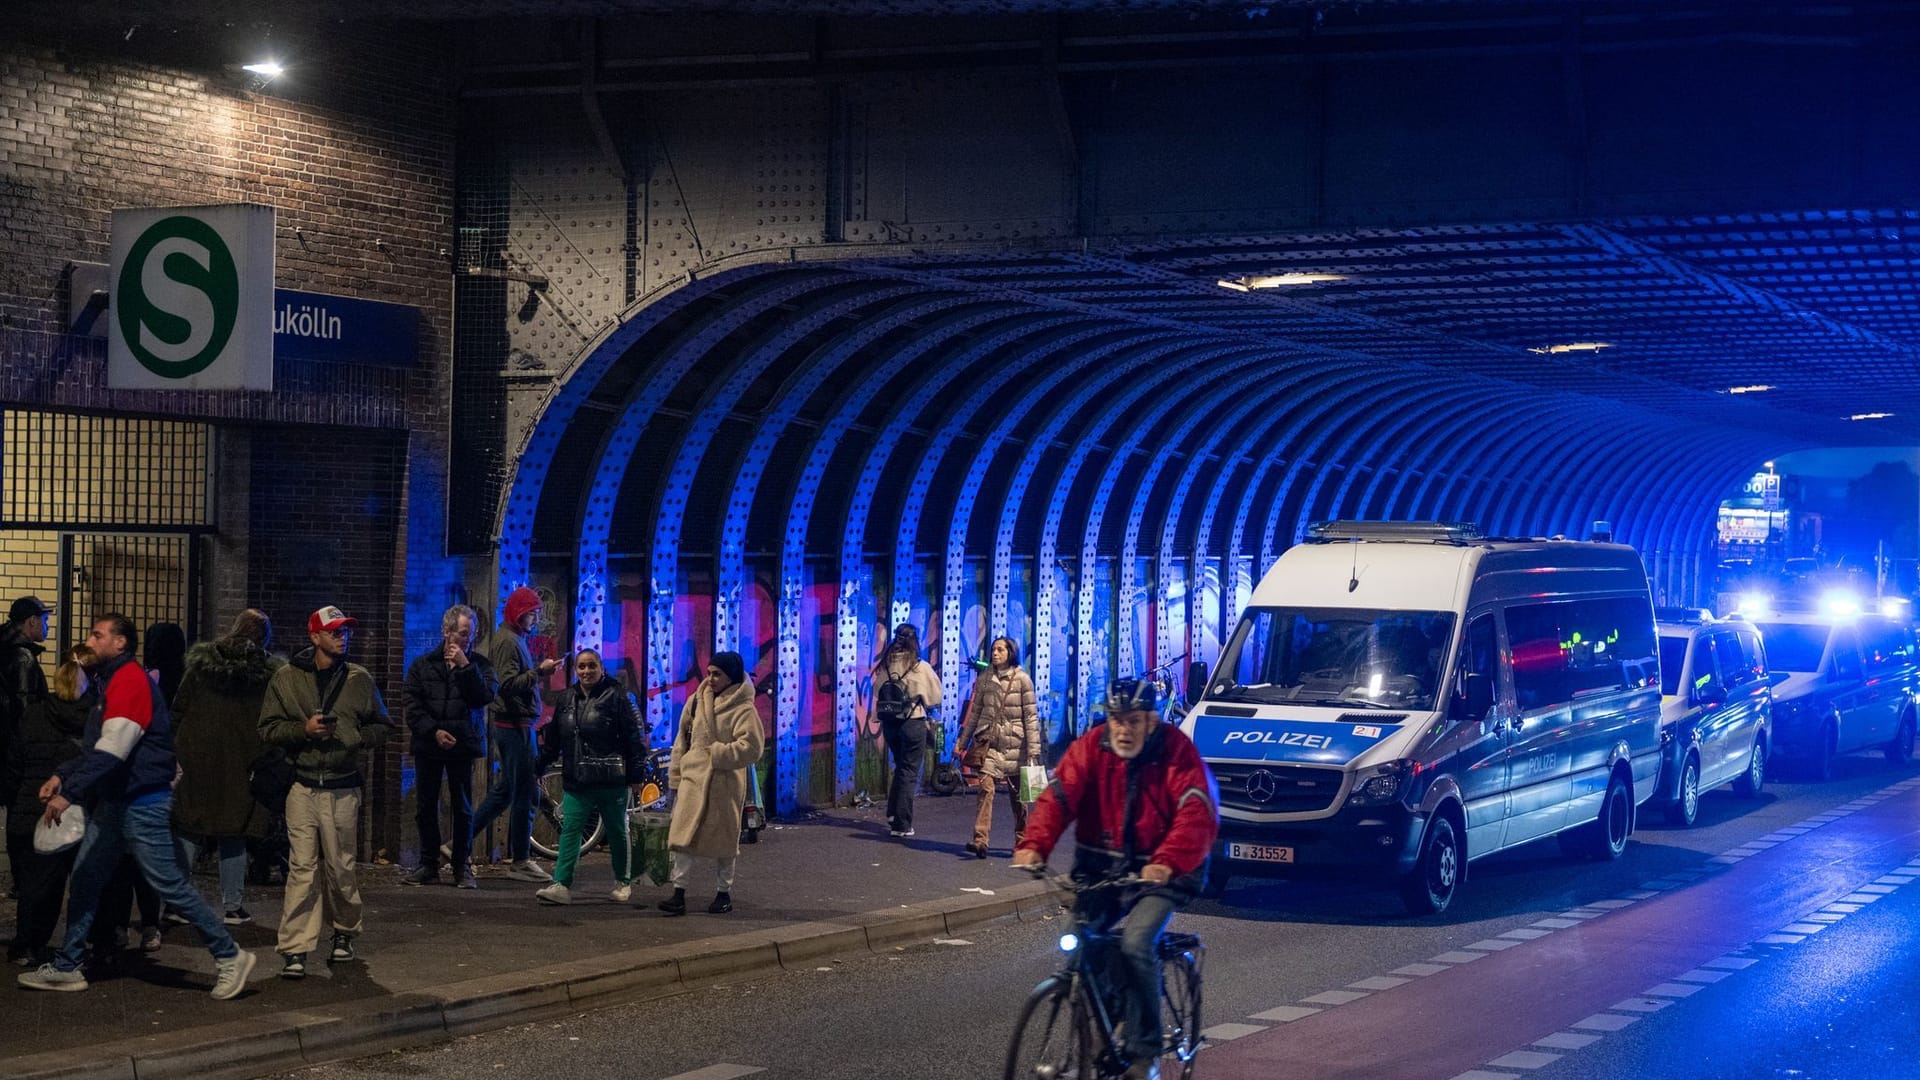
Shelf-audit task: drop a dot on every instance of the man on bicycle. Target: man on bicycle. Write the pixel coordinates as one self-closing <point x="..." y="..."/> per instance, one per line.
<point x="1145" y="804"/>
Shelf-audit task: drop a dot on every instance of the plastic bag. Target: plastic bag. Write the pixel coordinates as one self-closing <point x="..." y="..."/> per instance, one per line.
<point x="49" y="839"/>
<point x="649" y="833"/>
<point x="1033" y="781"/>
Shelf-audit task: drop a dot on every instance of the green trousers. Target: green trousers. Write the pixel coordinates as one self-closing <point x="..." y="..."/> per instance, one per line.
<point x="610" y="800"/>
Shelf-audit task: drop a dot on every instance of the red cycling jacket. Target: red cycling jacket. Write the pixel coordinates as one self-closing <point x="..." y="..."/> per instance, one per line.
<point x="1175" y="815"/>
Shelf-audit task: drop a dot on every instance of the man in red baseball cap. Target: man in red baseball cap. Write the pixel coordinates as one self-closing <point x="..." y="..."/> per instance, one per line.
<point x="324" y="711"/>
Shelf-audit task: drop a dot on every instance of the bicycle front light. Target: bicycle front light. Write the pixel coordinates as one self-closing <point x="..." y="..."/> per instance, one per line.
<point x="1069" y="942"/>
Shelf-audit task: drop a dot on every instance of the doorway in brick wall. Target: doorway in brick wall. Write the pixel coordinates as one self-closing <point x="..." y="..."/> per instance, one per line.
<point x="150" y="577"/>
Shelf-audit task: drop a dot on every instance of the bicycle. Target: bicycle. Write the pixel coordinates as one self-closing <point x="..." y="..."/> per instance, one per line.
<point x="1066" y="1027"/>
<point x="547" y="819"/>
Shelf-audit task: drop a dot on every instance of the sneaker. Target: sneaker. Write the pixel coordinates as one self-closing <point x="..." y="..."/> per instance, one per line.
<point x="48" y="977"/>
<point x="555" y="893"/>
<point x="465" y="880"/>
<point x="231" y="975"/>
<point x="446" y="852"/>
<point x="150" y="939"/>
<point x="675" y="904"/>
<point x="239" y="916"/>
<point x="722" y="903"/>
<point x="621" y="893"/>
<point x="171" y="917"/>
<point x="342" y="947"/>
<point x="904" y="833"/>
<point x="424" y="874"/>
<point x="528" y="870"/>
<point x="293" y="965"/>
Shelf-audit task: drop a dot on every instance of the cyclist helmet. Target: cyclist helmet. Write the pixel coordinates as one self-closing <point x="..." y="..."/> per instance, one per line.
<point x="1133" y="695"/>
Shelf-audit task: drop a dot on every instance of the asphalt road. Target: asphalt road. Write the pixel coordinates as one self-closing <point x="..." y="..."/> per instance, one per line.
<point x="1524" y="976"/>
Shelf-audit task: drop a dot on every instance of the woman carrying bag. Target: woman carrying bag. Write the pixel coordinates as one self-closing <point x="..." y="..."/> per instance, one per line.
<point x="601" y="745"/>
<point x="1001" y="734"/>
<point x="719" y="738"/>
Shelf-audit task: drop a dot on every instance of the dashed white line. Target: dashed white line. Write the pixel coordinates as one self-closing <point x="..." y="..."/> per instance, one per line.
<point x="1286" y="1014"/>
<point x="1524" y="1059"/>
<point x="1228" y="1032"/>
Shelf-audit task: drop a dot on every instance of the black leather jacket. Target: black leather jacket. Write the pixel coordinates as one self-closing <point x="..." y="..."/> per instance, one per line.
<point x="603" y="722"/>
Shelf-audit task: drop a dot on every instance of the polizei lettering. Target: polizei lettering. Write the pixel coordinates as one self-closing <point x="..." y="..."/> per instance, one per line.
<point x="306" y="321"/>
<point x="1280" y="738"/>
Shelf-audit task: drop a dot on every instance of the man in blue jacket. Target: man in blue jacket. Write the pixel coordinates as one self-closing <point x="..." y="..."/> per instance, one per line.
<point x="125" y="780"/>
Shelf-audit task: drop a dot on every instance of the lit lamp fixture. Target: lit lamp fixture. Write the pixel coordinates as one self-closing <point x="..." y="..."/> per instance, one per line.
<point x="1756" y="388"/>
<point x="268" y="70"/>
<point x="1276" y="281"/>
<point x="1870" y="416"/>
<point x="1571" y="347"/>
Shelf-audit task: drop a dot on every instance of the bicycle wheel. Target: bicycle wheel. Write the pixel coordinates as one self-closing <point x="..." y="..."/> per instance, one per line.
<point x="1050" y="1042"/>
<point x="1180" y="1009"/>
<point x="547" y="821"/>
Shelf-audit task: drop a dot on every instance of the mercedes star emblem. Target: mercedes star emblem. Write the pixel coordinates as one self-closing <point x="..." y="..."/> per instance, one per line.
<point x="1261" y="786"/>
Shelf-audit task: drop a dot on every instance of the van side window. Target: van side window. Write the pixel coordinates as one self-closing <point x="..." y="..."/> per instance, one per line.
<point x="1753" y="651"/>
<point x="1482" y="658"/>
<point x="1885" y="645"/>
<point x="1573" y="647"/>
<point x="1703" y="666"/>
<point x="1736" y="670"/>
<point x="1846" y="655"/>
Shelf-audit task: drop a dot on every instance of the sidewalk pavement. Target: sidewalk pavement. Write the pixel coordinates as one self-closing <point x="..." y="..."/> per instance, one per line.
<point x="436" y="962"/>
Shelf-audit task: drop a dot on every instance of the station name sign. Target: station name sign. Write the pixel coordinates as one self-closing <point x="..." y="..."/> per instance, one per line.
<point x="344" y="329"/>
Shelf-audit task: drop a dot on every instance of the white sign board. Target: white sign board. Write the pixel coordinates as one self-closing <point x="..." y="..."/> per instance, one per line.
<point x="191" y="299"/>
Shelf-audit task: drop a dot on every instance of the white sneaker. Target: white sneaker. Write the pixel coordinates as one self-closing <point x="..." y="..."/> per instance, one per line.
<point x="232" y="975"/>
<point x="555" y="893"/>
<point x="48" y="977"/>
<point x="622" y="893"/>
<point x="528" y="870"/>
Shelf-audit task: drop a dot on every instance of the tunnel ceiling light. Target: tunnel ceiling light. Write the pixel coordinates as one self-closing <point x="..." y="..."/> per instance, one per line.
<point x="1756" y="388"/>
<point x="266" y="69"/>
<point x="1870" y="416"/>
<point x="1276" y="281"/>
<point x="1572" y="347"/>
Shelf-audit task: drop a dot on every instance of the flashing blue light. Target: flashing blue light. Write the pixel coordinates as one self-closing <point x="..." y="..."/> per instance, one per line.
<point x="1898" y="607"/>
<point x="1755" y="604"/>
<point x="1069" y="942"/>
<point x="1840" y="603"/>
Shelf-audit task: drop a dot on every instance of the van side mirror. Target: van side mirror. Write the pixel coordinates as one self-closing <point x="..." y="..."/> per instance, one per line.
<point x="1196" y="680"/>
<point x="1710" y="694"/>
<point x="1477" y="690"/>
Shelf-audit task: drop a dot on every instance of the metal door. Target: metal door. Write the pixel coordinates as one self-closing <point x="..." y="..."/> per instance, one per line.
<point x="150" y="577"/>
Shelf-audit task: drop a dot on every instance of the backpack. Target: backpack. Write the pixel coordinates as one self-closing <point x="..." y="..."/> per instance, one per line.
<point x="891" y="702"/>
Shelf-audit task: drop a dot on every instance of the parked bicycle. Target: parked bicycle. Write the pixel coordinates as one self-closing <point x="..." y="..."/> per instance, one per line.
<point x="546" y="821"/>
<point x="1066" y="1028"/>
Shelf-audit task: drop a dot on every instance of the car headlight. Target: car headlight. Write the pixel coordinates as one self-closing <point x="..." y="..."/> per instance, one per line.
<point x="1382" y="784"/>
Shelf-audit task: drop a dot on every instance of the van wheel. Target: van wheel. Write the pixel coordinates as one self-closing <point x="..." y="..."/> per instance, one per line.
<point x="1820" y="766"/>
<point x="1900" y="750"/>
<point x="1685" y="810"/>
<point x="1429" y="887"/>
<point x="1748" y="786"/>
<point x="1604" y="839"/>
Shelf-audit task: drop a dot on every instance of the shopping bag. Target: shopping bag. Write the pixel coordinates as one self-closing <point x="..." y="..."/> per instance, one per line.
<point x="1033" y="781"/>
<point x="650" y="846"/>
<point x="50" y="839"/>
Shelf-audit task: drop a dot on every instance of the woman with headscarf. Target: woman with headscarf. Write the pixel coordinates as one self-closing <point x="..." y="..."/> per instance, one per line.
<point x="1001" y="734"/>
<point x="597" y="737"/>
<point x="719" y="738"/>
<point x="904" y="688"/>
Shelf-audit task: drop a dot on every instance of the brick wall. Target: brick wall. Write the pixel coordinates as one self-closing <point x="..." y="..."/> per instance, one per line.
<point x="354" y="150"/>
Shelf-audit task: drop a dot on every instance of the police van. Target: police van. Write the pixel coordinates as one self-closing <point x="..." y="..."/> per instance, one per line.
<point x="1400" y="698"/>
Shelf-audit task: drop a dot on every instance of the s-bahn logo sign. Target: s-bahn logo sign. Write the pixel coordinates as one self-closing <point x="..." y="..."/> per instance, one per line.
<point x="191" y="299"/>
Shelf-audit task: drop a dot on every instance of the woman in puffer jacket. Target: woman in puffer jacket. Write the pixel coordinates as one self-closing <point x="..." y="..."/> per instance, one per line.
<point x="1001" y="733"/>
<point x="601" y="744"/>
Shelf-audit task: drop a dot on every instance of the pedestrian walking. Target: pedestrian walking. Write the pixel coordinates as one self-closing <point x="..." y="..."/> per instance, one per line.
<point x="50" y="733"/>
<point x="601" y="745"/>
<point x="22" y="681"/>
<point x="904" y="688"/>
<point x="512" y="716"/>
<point x="325" y="711"/>
<point x="719" y="739"/>
<point x="125" y="780"/>
<point x="1000" y="735"/>
<point x="217" y="737"/>
<point x="448" y="690"/>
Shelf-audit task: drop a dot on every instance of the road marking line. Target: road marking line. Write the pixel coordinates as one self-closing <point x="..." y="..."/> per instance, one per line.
<point x="1493" y="944"/>
<point x="1611" y="905"/>
<point x="1526" y="933"/>
<point x="719" y="1072"/>
<point x="1567" y="1040"/>
<point x="1640" y="1005"/>
<point x="1702" y="975"/>
<point x="1378" y="982"/>
<point x="1457" y="957"/>
<point x="1803" y="928"/>
<point x="1731" y="962"/>
<point x="1579" y="913"/>
<point x="1783" y="939"/>
<point x="1555" y="924"/>
<point x="1883" y="890"/>
<point x="1230" y="1032"/>
<point x="1894" y="879"/>
<point x="1524" y="1059"/>
<point x="1335" y="997"/>
<point x="1286" y="1014"/>
<point x="1673" y="990"/>
<point x="1860" y="898"/>
<point x="1483" y="1074"/>
<point x="1419" y="970"/>
<point x="1843" y="909"/>
<point x="1605" y="1022"/>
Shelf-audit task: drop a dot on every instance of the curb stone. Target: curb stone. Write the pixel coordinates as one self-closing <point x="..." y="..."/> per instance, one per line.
<point x="304" y="1037"/>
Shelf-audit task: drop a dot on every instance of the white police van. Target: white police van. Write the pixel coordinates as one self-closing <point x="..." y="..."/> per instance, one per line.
<point x="1402" y="697"/>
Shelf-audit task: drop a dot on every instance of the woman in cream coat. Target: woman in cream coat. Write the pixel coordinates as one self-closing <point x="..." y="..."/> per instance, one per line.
<point x="720" y="736"/>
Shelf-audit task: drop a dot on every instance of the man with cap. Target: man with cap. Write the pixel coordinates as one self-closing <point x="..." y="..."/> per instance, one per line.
<point x="512" y="716"/>
<point x="323" y="711"/>
<point x="22" y="681"/>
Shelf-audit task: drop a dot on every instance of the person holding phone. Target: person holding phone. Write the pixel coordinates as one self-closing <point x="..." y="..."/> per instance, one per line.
<point x="448" y="690"/>
<point x="512" y="716"/>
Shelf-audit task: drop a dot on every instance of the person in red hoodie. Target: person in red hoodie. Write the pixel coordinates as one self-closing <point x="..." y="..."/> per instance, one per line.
<point x="1143" y="803"/>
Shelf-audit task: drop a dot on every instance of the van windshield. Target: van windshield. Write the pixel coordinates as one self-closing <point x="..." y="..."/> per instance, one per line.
<point x="1339" y="657"/>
